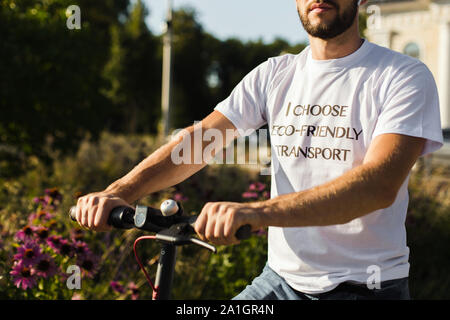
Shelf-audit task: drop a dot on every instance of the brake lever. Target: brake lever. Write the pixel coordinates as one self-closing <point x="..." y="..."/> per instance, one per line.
<point x="179" y="235"/>
<point x="203" y="244"/>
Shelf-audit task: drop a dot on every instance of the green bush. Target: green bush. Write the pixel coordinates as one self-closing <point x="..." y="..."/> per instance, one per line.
<point x="199" y="274"/>
<point x="428" y="234"/>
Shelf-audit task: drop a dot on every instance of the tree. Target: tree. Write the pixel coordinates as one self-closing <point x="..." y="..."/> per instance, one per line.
<point x="235" y="59"/>
<point x="51" y="80"/>
<point x="191" y="98"/>
<point x="207" y="69"/>
<point x="134" y="74"/>
<point x="59" y="85"/>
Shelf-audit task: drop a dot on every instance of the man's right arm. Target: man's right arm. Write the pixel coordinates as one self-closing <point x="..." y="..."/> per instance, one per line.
<point x="156" y="172"/>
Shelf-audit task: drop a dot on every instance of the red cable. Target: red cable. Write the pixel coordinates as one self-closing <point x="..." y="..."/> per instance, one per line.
<point x="139" y="260"/>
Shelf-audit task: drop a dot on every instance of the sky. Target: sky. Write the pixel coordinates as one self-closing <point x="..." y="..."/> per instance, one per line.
<point x="244" y="19"/>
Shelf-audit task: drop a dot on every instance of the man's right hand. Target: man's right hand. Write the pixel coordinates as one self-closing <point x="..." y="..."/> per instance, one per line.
<point x="93" y="210"/>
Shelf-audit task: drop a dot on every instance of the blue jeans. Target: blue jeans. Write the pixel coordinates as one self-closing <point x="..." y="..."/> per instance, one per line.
<point x="270" y="286"/>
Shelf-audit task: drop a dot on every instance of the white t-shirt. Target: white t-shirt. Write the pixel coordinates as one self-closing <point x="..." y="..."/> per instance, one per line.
<point x="322" y="116"/>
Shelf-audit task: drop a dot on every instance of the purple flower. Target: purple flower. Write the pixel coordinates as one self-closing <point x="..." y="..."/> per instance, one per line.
<point x="88" y="263"/>
<point x="28" y="254"/>
<point x="76" y="234"/>
<point x="39" y="216"/>
<point x="53" y="193"/>
<point x="42" y="201"/>
<point x="134" y="290"/>
<point x="23" y="276"/>
<point x="54" y="242"/>
<point x="81" y="248"/>
<point x="116" y="286"/>
<point x="179" y="197"/>
<point x="257" y="186"/>
<point x="60" y="245"/>
<point x="261" y="232"/>
<point x="249" y="195"/>
<point x="41" y="233"/>
<point x="26" y="233"/>
<point x="66" y="248"/>
<point x="51" y="198"/>
<point x="45" y="266"/>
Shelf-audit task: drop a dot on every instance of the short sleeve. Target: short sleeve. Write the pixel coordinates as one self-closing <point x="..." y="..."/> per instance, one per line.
<point x="246" y="105"/>
<point x="411" y="107"/>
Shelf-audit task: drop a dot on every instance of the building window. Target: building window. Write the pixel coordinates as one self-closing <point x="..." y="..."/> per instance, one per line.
<point x="412" y="50"/>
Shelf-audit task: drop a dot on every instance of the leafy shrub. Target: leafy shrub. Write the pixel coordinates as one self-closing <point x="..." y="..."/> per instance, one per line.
<point x="93" y="167"/>
<point x="428" y="232"/>
<point x="199" y="274"/>
<point x="37" y="252"/>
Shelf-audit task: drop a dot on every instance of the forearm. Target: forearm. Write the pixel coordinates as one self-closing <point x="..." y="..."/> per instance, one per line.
<point x="358" y="192"/>
<point x="369" y="187"/>
<point x="187" y="153"/>
<point x="156" y="172"/>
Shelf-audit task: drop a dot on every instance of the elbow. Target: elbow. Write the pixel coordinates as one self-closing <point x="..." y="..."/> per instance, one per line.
<point x="386" y="196"/>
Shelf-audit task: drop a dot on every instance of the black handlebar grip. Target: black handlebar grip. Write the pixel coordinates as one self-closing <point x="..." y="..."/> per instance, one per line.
<point x="244" y="232"/>
<point x="120" y="217"/>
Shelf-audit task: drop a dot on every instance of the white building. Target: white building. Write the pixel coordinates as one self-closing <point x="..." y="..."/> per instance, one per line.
<point x="419" y="28"/>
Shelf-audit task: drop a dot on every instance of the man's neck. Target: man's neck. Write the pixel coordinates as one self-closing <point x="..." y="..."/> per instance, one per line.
<point x="337" y="47"/>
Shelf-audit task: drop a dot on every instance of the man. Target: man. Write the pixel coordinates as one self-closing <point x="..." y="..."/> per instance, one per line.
<point x="360" y="116"/>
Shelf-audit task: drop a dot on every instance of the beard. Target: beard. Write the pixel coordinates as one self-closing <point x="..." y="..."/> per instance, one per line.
<point x="329" y="30"/>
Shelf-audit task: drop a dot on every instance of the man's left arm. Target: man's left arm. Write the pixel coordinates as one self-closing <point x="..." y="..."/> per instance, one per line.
<point x="369" y="187"/>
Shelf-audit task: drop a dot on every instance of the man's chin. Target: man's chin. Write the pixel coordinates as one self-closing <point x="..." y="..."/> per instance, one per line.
<point x="322" y="31"/>
<point x="320" y="26"/>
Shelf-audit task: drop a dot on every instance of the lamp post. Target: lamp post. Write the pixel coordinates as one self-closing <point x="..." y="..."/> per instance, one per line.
<point x="167" y="71"/>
